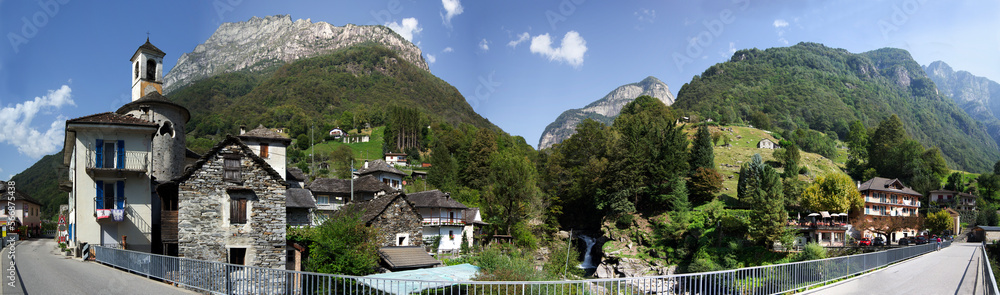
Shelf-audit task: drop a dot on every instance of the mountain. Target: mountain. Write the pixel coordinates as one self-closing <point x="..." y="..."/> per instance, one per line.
<point x="41" y="182"/>
<point x="978" y="96"/>
<point x="812" y="86"/>
<point x="260" y="44"/>
<point x="603" y="110"/>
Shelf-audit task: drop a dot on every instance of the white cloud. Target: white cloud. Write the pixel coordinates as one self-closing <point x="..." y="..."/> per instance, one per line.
<point x="646" y="15"/>
<point x="571" y="50"/>
<point x="452" y="8"/>
<point x="430" y="58"/>
<point x="783" y="40"/>
<point x="484" y="45"/>
<point x="447" y="49"/>
<point x="780" y="23"/>
<point x="408" y="27"/>
<point x="520" y="38"/>
<point x="16" y="129"/>
<point x="732" y="47"/>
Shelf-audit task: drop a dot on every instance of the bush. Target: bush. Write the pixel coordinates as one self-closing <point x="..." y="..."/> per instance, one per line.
<point x="504" y="263"/>
<point x="523" y="237"/>
<point x="342" y="245"/>
<point x="563" y="260"/>
<point x="811" y="251"/>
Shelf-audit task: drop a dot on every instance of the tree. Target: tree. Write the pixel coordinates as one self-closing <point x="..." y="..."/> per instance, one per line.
<point x="702" y="154"/>
<point x="939" y="222"/>
<point x="955" y="182"/>
<point x="834" y="192"/>
<point x="857" y="143"/>
<point x="760" y="187"/>
<point x="791" y="161"/>
<point x="303" y="142"/>
<point x="512" y="194"/>
<point x="885" y="225"/>
<point x="704" y="184"/>
<point x="477" y="169"/>
<point x="346" y="120"/>
<point x="343" y="245"/>
<point x="342" y="156"/>
<point x="444" y="169"/>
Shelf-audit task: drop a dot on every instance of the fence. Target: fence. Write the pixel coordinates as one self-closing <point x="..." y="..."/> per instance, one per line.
<point x="989" y="281"/>
<point x="224" y="278"/>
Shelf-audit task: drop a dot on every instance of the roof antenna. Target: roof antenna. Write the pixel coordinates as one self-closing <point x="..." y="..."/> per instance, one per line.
<point x="147" y="36"/>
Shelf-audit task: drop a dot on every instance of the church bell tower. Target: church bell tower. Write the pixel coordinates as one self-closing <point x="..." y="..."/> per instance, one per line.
<point x="147" y="70"/>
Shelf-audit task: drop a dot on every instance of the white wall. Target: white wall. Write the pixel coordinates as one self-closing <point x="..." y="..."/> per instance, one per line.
<point x="275" y="155"/>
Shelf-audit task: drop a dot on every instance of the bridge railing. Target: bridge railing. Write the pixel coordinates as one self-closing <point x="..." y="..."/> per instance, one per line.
<point x="989" y="281"/>
<point x="224" y="278"/>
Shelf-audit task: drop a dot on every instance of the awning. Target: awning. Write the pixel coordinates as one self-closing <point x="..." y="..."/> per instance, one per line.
<point x="825" y="214"/>
<point x="413" y="281"/>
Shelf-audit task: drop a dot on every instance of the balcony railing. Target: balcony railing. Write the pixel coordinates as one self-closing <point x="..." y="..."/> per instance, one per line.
<point x="443" y="221"/>
<point x="889" y="202"/>
<point x="137" y="161"/>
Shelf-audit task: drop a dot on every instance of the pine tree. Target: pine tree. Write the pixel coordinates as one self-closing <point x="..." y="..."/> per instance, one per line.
<point x="702" y="154"/>
<point x="760" y="187"/>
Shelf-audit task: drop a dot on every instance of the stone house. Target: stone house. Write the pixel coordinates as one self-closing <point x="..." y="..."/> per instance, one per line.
<point x="331" y="194"/>
<point x="982" y="233"/>
<point x="232" y="208"/>
<point x="396" y="219"/>
<point x="299" y="206"/>
<point x="383" y="172"/>
<point x="766" y="144"/>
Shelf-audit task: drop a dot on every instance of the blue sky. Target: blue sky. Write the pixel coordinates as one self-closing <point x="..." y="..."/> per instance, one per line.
<point x="518" y="63"/>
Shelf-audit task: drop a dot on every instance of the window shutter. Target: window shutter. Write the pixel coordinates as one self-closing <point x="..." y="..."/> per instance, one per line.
<point x="120" y="198"/>
<point x="99" y="151"/>
<point x="100" y="193"/>
<point x="121" y="154"/>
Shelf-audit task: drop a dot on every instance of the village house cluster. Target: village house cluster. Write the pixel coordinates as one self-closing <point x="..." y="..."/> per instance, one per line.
<point x="133" y="184"/>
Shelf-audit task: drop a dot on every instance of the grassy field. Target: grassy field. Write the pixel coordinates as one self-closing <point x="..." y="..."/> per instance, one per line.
<point x="744" y="145"/>
<point x="370" y="150"/>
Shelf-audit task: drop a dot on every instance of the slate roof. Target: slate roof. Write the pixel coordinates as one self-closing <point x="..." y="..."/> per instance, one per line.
<point x="110" y="118"/>
<point x="434" y="199"/>
<point x="299" y="198"/>
<point x="371" y="208"/>
<point x="469" y="216"/>
<point x="882" y="184"/>
<point x="365" y="184"/>
<point x="148" y="47"/>
<point x="262" y="133"/>
<point x="188" y="153"/>
<point x="215" y="150"/>
<point x="294" y="173"/>
<point x="380" y="166"/>
<point x="406" y="257"/>
<point x="989" y="228"/>
<point x="18" y="195"/>
<point x="153" y="98"/>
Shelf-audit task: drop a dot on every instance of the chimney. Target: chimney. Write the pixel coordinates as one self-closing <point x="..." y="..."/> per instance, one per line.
<point x="243" y="129"/>
<point x="366" y="165"/>
<point x="859" y="184"/>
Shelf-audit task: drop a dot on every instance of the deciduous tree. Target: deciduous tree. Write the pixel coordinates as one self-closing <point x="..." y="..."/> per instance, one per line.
<point x="834" y="192"/>
<point x="938" y="222"/>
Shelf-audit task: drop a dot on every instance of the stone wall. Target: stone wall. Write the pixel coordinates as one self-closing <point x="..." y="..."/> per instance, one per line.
<point x="204" y="229"/>
<point x="298" y="216"/>
<point x="399" y="217"/>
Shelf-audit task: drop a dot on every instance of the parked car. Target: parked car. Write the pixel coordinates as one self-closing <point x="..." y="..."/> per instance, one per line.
<point x="878" y="242"/>
<point x="865" y="242"/>
<point x="904" y="242"/>
<point x="920" y="240"/>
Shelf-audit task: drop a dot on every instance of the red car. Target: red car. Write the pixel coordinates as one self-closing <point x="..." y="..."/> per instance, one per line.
<point x="865" y="242"/>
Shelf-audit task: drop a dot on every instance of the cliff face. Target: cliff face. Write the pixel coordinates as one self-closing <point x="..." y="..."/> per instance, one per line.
<point x="262" y="43"/>
<point x="603" y="110"/>
<point x="978" y="96"/>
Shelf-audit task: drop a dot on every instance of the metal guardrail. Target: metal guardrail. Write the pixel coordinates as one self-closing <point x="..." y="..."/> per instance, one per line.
<point x="989" y="281"/>
<point x="224" y="278"/>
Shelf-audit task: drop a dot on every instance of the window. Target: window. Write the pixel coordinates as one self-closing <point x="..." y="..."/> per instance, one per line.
<point x="323" y="200"/>
<point x="110" y="154"/>
<point x="231" y="168"/>
<point x="151" y="69"/>
<point x="451" y="235"/>
<point x="238" y="200"/>
<point x="110" y="195"/>
<point x="136" y="71"/>
<point x="263" y="150"/>
<point x="237" y="256"/>
<point x="167" y="129"/>
<point x="402" y="239"/>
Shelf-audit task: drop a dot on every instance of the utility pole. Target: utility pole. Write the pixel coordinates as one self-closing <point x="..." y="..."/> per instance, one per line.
<point x="352" y="179"/>
<point x="312" y="162"/>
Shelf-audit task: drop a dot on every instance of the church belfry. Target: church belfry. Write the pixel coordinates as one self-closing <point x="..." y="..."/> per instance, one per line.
<point x="147" y="73"/>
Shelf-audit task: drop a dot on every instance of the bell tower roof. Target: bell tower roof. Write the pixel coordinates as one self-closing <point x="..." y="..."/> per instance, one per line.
<point x="148" y="48"/>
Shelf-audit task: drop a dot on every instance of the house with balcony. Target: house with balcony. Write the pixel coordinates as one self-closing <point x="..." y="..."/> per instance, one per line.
<point x="889" y="198"/>
<point x="19" y="207"/>
<point x="332" y="194"/>
<point x="383" y="172"/>
<point x="824" y="228"/>
<point x="953" y="199"/>
<point x="395" y="159"/>
<point x="442" y="217"/>
<point x="119" y="164"/>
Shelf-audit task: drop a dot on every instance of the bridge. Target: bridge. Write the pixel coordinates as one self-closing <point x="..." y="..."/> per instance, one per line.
<point x="952" y="270"/>
<point x="960" y="268"/>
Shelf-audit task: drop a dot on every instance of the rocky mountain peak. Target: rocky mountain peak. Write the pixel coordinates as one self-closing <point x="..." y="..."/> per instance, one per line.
<point x="261" y="43"/>
<point x="604" y="110"/>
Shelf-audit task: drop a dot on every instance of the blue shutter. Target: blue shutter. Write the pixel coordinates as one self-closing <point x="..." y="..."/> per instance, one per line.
<point x="121" y="154"/>
<point x="100" y="193"/>
<point x="100" y="154"/>
<point x="120" y="198"/>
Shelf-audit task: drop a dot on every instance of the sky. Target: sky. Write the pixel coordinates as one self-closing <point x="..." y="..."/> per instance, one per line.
<point x="518" y="63"/>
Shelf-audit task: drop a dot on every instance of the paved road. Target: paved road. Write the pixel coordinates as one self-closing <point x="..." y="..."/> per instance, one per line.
<point x="42" y="270"/>
<point x="953" y="270"/>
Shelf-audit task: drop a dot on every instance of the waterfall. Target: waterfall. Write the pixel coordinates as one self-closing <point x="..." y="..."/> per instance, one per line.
<point x="587" y="263"/>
